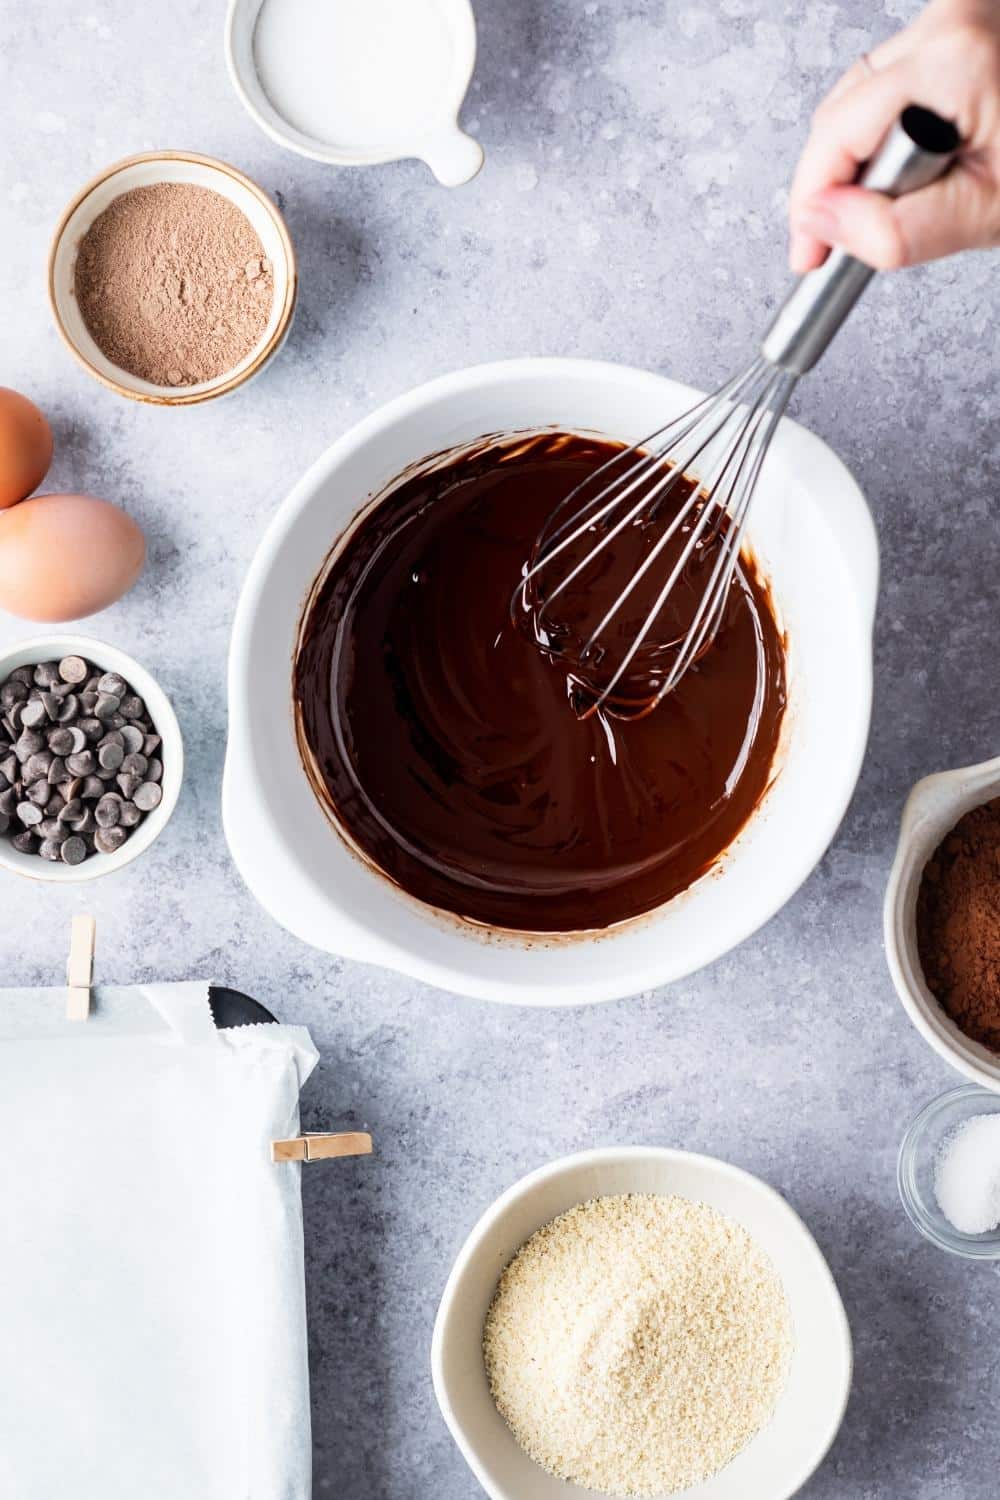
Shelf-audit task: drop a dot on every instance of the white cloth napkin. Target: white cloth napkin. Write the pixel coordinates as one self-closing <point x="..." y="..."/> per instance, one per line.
<point x="152" y="1305"/>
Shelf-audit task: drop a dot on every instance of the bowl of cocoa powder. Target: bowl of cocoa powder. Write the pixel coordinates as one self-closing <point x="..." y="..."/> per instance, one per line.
<point x="942" y="917"/>
<point x="172" y="278"/>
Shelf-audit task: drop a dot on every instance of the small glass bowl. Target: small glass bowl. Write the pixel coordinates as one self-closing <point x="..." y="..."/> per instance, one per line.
<point x="918" y="1154"/>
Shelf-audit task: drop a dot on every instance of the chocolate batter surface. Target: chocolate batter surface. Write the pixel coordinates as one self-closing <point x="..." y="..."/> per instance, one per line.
<point x="446" y="744"/>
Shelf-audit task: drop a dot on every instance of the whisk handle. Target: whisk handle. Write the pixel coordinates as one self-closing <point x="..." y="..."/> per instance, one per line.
<point x="919" y="148"/>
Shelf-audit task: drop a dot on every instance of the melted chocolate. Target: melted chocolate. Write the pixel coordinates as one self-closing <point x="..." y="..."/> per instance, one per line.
<point x="445" y="742"/>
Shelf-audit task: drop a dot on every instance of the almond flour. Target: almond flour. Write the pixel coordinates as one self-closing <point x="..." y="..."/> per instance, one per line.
<point x="173" y="283"/>
<point x="637" y="1343"/>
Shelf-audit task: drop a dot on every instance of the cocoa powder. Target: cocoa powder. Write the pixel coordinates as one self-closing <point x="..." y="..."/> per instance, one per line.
<point x="173" y="283"/>
<point x="958" y="924"/>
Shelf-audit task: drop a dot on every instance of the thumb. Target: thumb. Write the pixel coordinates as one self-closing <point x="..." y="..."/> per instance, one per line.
<point x="959" y="212"/>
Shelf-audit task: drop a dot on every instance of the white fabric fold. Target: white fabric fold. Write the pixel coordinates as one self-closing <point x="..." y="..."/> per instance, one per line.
<point x="152" y="1305"/>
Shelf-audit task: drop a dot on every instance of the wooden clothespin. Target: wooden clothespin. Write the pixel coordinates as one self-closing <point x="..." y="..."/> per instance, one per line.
<point x="322" y="1147"/>
<point x="80" y="968"/>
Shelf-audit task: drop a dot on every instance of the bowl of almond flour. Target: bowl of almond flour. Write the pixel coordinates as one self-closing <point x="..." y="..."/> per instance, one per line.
<point x="641" y="1322"/>
<point x="172" y="278"/>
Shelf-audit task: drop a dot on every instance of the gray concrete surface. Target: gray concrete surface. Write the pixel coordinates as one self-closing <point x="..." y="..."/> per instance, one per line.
<point x="630" y="208"/>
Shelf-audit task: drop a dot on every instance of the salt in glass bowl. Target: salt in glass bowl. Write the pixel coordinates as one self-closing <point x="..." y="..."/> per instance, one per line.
<point x="918" y="1155"/>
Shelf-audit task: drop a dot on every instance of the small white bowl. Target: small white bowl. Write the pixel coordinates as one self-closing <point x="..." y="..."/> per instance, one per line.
<point x="146" y="170"/>
<point x="809" y="1411"/>
<point x="433" y="39"/>
<point x="932" y="809"/>
<point x="109" y="659"/>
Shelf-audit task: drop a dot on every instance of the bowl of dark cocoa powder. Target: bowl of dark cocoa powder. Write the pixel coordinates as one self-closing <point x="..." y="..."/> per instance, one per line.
<point x="942" y="917"/>
<point x="172" y="278"/>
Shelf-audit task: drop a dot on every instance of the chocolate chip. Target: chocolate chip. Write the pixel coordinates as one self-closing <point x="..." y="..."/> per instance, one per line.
<point x="37" y="792"/>
<point x="4" y="822"/>
<point x="93" y="787"/>
<point x="10" y="767"/>
<point x="110" y="839"/>
<point x="64" y="742"/>
<point x="132" y="738"/>
<point x="29" y="814"/>
<point x="37" y="765"/>
<point x="25" y="842"/>
<point x="150" y="743"/>
<point x="57" y="771"/>
<point x="86" y="824"/>
<point x="113" y="683"/>
<point x="33" y="714"/>
<point x="23" y="674"/>
<point x="111" y="757"/>
<point x="72" y="811"/>
<point x="82" y="763"/>
<point x="135" y="765"/>
<point x="51" y="704"/>
<point x="69" y="709"/>
<point x="148" y="796"/>
<point x="74" y="850"/>
<point x="132" y="706"/>
<point x="73" y="669"/>
<point x="129" y="815"/>
<point x="106" y="706"/>
<point x="28" y="742"/>
<point x="92" y="728"/>
<point x="71" y="789"/>
<point x="128" y="783"/>
<point x="108" y="811"/>
<point x="51" y="828"/>
<point x="8" y="801"/>
<point x="46" y="673"/>
<point x="88" y="699"/>
<point x="12" y="692"/>
<point x="50" y="848"/>
<point x="154" y="771"/>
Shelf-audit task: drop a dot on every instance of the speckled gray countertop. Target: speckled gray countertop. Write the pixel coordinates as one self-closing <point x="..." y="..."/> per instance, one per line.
<point x="630" y="208"/>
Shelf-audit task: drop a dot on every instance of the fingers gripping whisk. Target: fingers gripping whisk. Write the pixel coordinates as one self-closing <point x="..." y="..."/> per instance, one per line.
<point x="674" y="506"/>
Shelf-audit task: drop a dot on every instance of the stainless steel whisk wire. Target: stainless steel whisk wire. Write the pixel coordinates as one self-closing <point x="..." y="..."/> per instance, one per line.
<point x="719" y="445"/>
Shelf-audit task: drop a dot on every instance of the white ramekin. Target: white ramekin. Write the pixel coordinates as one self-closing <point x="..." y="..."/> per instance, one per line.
<point x="109" y="659"/>
<point x="932" y="809"/>
<point x="146" y="170"/>
<point x="810" y="1410"/>
<point x="436" y="139"/>
<point x="813" y="534"/>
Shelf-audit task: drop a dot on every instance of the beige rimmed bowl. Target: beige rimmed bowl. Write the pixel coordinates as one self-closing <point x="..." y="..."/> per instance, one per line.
<point x="109" y="659"/>
<point x="147" y="170"/>
<point x="932" y="809"/>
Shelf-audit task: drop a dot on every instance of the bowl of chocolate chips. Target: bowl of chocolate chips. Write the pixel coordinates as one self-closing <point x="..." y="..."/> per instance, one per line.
<point x="91" y="758"/>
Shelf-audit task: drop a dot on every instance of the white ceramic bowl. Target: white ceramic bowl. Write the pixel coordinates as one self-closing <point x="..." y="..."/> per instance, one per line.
<point x="809" y="1411"/>
<point x="430" y="39"/>
<point x="814" y="535"/>
<point x="932" y="809"/>
<point x="109" y="659"/>
<point x="145" y="171"/>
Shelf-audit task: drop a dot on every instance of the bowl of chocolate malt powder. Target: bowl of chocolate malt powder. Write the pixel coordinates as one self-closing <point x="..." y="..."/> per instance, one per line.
<point x="172" y="278"/>
<point x="942" y="917"/>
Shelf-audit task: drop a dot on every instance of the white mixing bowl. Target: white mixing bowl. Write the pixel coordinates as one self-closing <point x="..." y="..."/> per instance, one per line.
<point x="814" y="536"/>
<point x="810" y="1409"/>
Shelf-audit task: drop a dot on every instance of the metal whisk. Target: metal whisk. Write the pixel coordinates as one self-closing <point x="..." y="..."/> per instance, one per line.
<point x="713" y="453"/>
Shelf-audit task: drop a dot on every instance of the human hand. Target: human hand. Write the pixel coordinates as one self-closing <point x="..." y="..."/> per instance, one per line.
<point x="948" y="61"/>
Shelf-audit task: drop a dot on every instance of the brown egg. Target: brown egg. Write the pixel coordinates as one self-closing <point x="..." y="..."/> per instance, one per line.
<point x="25" y="447"/>
<point x="66" y="556"/>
